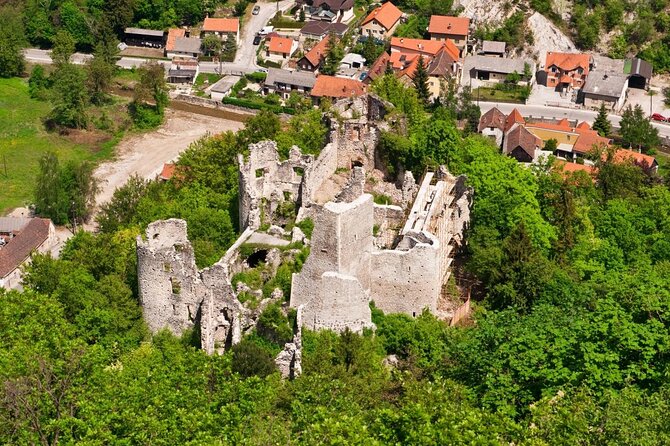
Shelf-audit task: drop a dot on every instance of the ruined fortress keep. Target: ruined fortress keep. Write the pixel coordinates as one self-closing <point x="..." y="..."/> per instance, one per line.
<point x="397" y="255"/>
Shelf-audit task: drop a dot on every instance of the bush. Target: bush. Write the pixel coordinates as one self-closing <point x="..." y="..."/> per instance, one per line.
<point x="249" y="359"/>
<point x="257" y="76"/>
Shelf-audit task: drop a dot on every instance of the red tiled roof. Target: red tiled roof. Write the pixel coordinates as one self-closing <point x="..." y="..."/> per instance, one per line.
<point x="568" y="61"/>
<point x="31" y="236"/>
<point x="337" y="87"/>
<point x="410" y="69"/>
<point x="588" y="139"/>
<point x="173" y="33"/>
<point x="280" y="45"/>
<point x="642" y="160"/>
<point x="513" y="118"/>
<point x="492" y="118"/>
<point x="221" y="25"/>
<point x="575" y="167"/>
<point x="425" y="47"/>
<point x="318" y="52"/>
<point x="167" y="172"/>
<point x="584" y="125"/>
<point x="442" y="24"/>
<point x="400" y="60"/>
<point x="387" y="15"/>
<point x="379" y="67"/>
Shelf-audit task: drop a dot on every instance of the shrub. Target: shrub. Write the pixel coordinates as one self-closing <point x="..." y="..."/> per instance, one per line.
<point x="249" y="359"/>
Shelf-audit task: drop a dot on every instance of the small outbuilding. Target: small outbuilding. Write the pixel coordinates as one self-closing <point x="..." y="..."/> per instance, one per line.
<point x="150" y="38"/>
<point x="605" y="88"/>
<point x="639" y="71"/>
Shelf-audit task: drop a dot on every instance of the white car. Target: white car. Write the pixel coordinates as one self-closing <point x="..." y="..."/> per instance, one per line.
<point x="256" y="10"/>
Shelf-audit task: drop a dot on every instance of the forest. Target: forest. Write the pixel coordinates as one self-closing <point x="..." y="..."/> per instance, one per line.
<point x="568" y="343"/>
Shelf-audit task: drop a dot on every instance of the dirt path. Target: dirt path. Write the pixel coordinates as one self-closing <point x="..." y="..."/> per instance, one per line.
<point x="145" y="154"/>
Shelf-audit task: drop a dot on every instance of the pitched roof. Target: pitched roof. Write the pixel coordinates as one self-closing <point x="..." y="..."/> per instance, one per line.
<point x="387" y="15"/>
<point x="502" y="65"/>
<point x="441" y="65"/>
<point x="187" y="45"/>
<point x="322" y="28"/>
<point x="399" y="61"/>
<point x="427" y="47"/>
<point x="173" y="33"/>
<point x="584" y="125"/>
<point x="492" y="46"/>
<point x="411" y="67"/>
<point x="299" y="78"/>
<point x="280" y="44"/>
<point x="378" y="68"/>
<point x="442" y="24"/>
<point x="642" y="160"/>
<point x="318" y="52"/>
<point x="521" y="137"/>
<point x="568" y="61"/>
<point x="221" y="25"/>
<point x="492" y="118"/>
<point x="638" y="67"/>
<point x="513" y="118"/>
<point x="334" y="5"/>
<point x="588" y="139"/>
<point x="337" y="87"/>
<point x="611" y="85"/>
<point x="574" y="167"/>
<point x="145" y="32"/>
<point x="31" y="236"/>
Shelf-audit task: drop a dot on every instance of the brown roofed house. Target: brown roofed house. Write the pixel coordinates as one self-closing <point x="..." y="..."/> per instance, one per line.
<point x="19" y="238"/>
<point x="378" y="68"/>
<point x="336" y="87"/>
<point x="522" y="145"/>
<point x="492" y="124"/>
<point x="313" y="59"/>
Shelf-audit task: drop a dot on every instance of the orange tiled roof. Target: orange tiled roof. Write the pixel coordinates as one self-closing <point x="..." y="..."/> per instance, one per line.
<point x="387" y="15"/>
<point x="513" y="118"/>
<point x="584" y="125"/>
<point x="640" y="159"/>
<point x="426" y="47"/>
<point x="568" y="61"/>
<point x="588" y="139"/>
<point x="337" y="87"/>
<point x="400" y="60"/>
<point x="173" y="33"/>
<point x="574" y="167"/>
<point x="318" y="52"/>
<point x="442" y="24"/>
<point x="410" y="69"/>
<point x="167" y="172"/>
<point x="221" y="25"/>
<point x="280" y="45"/>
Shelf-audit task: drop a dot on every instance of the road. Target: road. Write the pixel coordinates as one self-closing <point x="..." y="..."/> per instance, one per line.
<point x="245" y="58"/>
<point x="541" y="111"/>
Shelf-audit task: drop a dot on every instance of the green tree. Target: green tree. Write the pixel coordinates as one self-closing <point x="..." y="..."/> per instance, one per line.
<point x="100" y="70"/>
<point x="602" y="124"/>
<point x="551" y="145"/>
<point x="150" y="96"/>
<point x="121" y="210"/>
<point x="50" y="199"/>
<point x="420" y="81"/>
<point x="251" y="360"/>
<point x="334" y="54"/>
<point x="301" y="17"/>
<point x="211" y="44"/>
<point x="38" y="84"/>
<point x="12" y="62"/>
<point x="636" y="130"/>
<point x="70" y="97"/>
<point x="63" y="48"/>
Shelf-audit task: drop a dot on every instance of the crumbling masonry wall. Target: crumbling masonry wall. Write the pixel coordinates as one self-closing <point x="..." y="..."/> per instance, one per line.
<point x="175" y="295"/>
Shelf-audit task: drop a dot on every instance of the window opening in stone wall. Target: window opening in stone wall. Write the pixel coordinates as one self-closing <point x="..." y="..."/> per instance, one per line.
<point x="155" y="236"/>
<point x="356" y="164"/>
<point x="287" y="195"/>
<point x="176" y="285"/>
<point x="260" y="173"/>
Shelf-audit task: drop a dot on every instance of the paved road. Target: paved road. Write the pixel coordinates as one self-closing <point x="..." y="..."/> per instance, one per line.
<point x="541" y="111"/>
<point x="44" y="56"/>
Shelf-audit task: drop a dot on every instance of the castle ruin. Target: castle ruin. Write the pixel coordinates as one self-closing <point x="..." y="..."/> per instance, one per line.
<point x="398" y="255"/>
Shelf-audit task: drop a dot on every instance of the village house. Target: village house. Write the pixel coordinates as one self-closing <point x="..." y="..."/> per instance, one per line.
<point x="333" y="11"/>
<point x="144" y="37"/>
<point x="492" y="70"/>
<point x="457" y="29"/>
<point x="183" y="70"/>
<point x="522" y="145"/>
<point x="317" y="30"/>
<point x="645" y="162"/>
<point x="493" y="49"/>
<point x="172" y="35"/>
<point x="313" y="58"/>
<point x="185" y="47"/>
<point x="279" y="49"/>
<point x="334" y="88"/>
<point x="492" y="125"/>
<point x="382" y="21"/>
<point x="605" y="88"/>
<point x="378" y="68"/>
<point x="567" y="71"/>
<point x="438" y="69"/>
<point x="19" y="238"/>
<point x="285" y="82"/>
<point x="430" y="48"/>
<point x="222" y="27"/>
<point x="351" y="66"/>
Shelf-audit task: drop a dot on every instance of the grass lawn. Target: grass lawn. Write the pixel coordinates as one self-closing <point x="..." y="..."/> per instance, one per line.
<point x="23" y="141"/>
<point x="494" y="95"/>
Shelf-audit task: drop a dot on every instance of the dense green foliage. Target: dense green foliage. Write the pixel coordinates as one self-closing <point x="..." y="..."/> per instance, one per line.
<point x="568" y="343"/>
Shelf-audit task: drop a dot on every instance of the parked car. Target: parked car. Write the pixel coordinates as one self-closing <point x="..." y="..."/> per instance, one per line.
<point x="256" y="10"/>
<point x="659" y="117"/>
<point x="257" y="39"/>
<point x="261" y="70"/>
